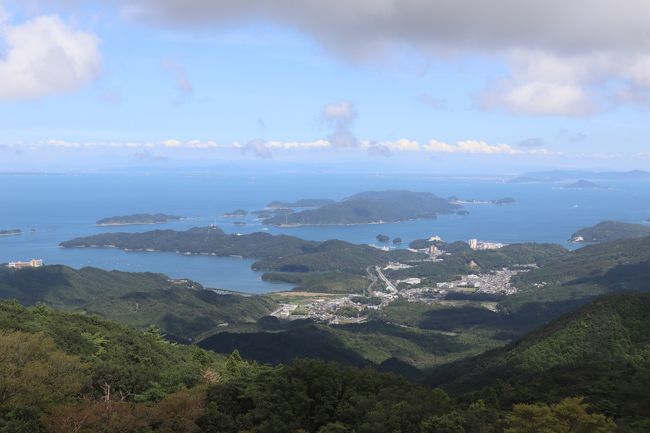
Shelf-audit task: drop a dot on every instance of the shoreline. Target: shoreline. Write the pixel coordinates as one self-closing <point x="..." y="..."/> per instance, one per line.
<point x="296" y="225"/>
<point x="137" y="224"/>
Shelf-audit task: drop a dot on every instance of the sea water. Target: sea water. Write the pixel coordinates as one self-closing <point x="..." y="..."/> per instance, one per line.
<point x="54" y="208"/>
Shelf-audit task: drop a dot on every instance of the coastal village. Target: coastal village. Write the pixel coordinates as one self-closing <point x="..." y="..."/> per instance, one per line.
<point x="382" y="291"/>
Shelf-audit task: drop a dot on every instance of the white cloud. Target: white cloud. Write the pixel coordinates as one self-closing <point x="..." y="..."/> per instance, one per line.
<point x="562" y="54"/>
<point x="340" y="117"/>
<point x="388" y="148"/>
<point x="172" y="143"/>
<point x="541" y="98"/>
<point x="438" y="147"/>
<point x="471" y="147"/>
<point x="45" y="56"/>
<point x="287" y="145"/>
<point x="266" y="148"/>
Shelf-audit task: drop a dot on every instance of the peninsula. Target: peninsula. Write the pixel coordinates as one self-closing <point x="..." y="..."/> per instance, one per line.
<point x="288" y="258"/>
<point x="142" y="218"/>
<point x="371" y="207"/>
<point x="607" y="231"/>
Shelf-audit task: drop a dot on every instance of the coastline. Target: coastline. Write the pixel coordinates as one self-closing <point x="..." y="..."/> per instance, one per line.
<point x="137" y="223"/>
<point x="296" y="225"/>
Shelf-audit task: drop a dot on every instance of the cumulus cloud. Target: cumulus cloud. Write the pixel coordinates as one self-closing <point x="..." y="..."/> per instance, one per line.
<point x="340" y="117"/>
<point x="265" y="149"/>
<point x="562" y="54"/>
<point x="577" y="25"/>
<point x="45" y="56"/>
<point x="470" y="147"/>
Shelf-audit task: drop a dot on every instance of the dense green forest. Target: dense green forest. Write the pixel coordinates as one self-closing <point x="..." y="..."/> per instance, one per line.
<point x="552" y="354"/>
<point x="201" y="240"/>
<point x="67" y="372"/>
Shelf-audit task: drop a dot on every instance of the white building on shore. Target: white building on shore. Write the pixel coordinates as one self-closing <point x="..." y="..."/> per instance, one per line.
<point x="33" y="263"/>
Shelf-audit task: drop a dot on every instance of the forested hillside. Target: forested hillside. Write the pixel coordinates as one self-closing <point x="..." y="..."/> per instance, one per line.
<point x="181" y="308"/>
<point x="66" y="372"/>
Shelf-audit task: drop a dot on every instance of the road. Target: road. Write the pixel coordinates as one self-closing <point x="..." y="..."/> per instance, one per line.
<point x="389" y="285"/>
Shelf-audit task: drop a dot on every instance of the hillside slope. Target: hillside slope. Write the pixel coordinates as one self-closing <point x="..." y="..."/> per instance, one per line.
<point x="601" y="350"/>
<point x="583" y="274"/>
<point x="182" y="309"/>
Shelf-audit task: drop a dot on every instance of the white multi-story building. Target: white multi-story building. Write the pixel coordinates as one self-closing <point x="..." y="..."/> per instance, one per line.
<point x="33" y="263"/>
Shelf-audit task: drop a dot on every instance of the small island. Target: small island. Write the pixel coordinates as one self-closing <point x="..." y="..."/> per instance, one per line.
<point x="237" y="213"/>
<point x="607" y="231"/>
<point x="143" y="218"/>
<point x="13" y="232"/>
<point x="382" y="238"/>
<point x="582" y="184"/>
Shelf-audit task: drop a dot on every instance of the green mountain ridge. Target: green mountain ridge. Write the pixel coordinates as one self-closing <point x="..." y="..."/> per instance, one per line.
<point x="613" y="329"/>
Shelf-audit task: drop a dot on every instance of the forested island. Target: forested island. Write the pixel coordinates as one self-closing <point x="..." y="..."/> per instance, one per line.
<point x="371" y="208"/>
<point x="582" y="184"/>
<point x="12" y="232"/>
<point x="610" y="231"/>
<point x="142" y="218"/>
<point x="236" y="213"/>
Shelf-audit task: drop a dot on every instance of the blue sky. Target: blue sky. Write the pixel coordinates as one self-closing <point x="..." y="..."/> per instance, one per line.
<point x="171" y="83"/>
